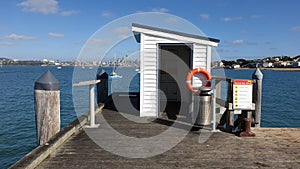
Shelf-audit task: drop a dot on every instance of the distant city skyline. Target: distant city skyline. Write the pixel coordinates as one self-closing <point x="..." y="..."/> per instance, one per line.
<point x="52" y="29"/>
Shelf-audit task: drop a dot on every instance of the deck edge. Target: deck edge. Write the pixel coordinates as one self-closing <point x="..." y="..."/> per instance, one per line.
<point x="40" y="153"/>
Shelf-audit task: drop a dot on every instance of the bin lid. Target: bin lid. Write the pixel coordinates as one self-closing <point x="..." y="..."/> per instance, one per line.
<point x="205" y="89"/>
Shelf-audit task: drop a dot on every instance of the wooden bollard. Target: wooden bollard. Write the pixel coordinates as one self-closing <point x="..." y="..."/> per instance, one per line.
<point x="102" y="87"/>
<point x="47" y="107"/>
<point x="258" y="77"/>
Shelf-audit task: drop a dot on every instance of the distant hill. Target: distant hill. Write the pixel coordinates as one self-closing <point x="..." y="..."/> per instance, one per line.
<point x="2" y="58"/>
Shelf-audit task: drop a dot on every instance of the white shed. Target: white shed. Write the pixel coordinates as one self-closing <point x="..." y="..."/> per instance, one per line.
<point x="155" y="47"/>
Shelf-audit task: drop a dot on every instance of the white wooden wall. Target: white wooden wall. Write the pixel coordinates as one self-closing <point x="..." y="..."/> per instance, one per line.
<point x="201" y="59"/>
<point x="149" y="105"/>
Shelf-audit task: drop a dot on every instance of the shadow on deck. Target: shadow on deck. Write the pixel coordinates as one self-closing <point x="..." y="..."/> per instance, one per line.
<point x="271" y="148"/>
<point x="130" y="103"/>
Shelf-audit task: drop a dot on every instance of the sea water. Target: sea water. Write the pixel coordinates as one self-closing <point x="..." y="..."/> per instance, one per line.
<point x="280" y="102"/>
<point x="280" y="96"/>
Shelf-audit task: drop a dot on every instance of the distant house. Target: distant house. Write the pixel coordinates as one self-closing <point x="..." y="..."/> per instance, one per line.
<point x="217" y="64"/>
<point x="267" y="64"/>
<point x="220" y="64"/>
<point x="282" y="64"/>
<point x="235" y="66"/>
<point x="296" y="64"/>
<point x="277" y="64"/>
<point x="162" y="76"/>
<point x="250" y="65"/>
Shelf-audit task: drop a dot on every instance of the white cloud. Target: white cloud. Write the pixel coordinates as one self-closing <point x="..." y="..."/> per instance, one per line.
<point x="123" y="31"/>
<point x="204" y="16"/>
<point x="6" y="44"/>
<point x="171" y="20"/>
<point x="256" y="17"/>
<point x="78" y="42"/>
<point x="268" y="43"/>
<point x="238" y="42"/>
<point x="57" y="35"/>
<point x="252" y="43"/>
<point x="19" y="37"/>
<point x="40" y="6"/>
<point x="69" y="13"/>
<point x="162" y="10"/>
<point x="139" y="11"/>
<point x="106" y="14"/>
<point x="95" y="41"/>
<point x="295" y="28"/>
<point x="244" y="31"/>
<point x="273" y="48"/>
<point x="230" y="19"/>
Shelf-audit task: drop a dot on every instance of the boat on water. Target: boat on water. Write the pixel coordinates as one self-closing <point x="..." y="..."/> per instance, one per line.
<point x="58" y="67"/>
<point x="137" y="70"/>
<point x="113" y="74"/>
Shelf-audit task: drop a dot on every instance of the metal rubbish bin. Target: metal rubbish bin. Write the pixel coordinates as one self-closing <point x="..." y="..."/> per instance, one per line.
<point x="202" y="105"/>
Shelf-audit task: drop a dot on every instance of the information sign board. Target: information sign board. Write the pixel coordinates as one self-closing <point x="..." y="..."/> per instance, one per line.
<point x="242" y="94"/>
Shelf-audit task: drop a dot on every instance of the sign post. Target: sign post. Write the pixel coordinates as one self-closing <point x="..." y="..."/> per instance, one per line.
<point x="242" y="100"/>
<point x="242" y="94"/>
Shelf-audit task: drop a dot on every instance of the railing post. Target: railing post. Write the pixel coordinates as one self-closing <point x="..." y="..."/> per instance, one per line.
<point x="47" y="107"/>
<point x="230" y="114"/>
<point x="214" y="110"/>
<point x="258" y="77"/>
<point x="92" y="105"/>
<point x="218" y="88"/>
<point x="91" y="84"/>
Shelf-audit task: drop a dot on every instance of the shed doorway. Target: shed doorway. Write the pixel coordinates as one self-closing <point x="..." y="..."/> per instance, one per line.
<point x="175" y="61"/>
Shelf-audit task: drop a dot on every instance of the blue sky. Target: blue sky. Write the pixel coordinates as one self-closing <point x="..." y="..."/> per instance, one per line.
<point x="58" y="29"/>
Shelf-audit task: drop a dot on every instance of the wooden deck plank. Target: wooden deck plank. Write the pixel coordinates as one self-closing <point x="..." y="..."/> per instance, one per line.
<point x="271" y="148"/>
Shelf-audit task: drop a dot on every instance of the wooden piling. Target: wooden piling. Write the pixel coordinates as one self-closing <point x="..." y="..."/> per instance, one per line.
<point x="258" y="77"/>
<point x="47" y="107"/>
<point x="102" y="87"/>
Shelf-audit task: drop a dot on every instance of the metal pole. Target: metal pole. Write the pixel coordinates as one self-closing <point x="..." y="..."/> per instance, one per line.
<point x="92" y="100"/>
<point x="214" y="110"/>
<point x="92" y="105"/>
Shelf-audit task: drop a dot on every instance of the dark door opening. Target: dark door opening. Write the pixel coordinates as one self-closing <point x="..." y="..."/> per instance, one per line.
<point x="175" y="62"/>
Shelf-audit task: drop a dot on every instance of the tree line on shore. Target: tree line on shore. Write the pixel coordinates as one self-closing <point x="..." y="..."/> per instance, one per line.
<point x="275" y="61"/>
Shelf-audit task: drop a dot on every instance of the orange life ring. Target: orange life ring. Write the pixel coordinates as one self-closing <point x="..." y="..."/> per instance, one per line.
<point x="192" y="73"/>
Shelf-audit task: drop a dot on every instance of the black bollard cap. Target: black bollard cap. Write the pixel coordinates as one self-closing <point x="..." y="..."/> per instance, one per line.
<point x="102" y="75"/>
<point x="47" y="82"/>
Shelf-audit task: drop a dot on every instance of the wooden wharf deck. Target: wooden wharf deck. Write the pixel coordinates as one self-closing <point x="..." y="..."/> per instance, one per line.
<point x="271" y="148"/>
